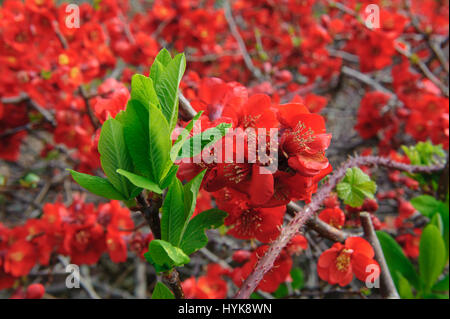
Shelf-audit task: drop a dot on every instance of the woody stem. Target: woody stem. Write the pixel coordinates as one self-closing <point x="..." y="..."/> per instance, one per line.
<point x="387" y="287"/>
<point x="150" y="210"/>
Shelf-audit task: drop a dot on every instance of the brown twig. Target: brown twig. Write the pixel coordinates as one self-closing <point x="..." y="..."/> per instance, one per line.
<point x="387" y="287"/>
<point x="427" y="36"/>
<point x="151" y="213"/>
<point x="172" y="279"/>
<point x="186" y="110"/>
<point x="325" y="230"/>
<point x="237" y="36"/>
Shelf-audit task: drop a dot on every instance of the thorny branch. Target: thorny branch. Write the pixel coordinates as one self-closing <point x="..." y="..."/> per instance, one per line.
<point x="300" y="219"/>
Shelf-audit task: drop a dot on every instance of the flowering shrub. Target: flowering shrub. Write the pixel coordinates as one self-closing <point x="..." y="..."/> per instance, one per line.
<point x="232" y="179"/>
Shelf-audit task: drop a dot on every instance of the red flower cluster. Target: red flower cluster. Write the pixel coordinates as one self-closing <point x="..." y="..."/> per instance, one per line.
<point x="281" y="269"/>
<point x="254" y="196"/>
<point x="80" y="231"/>
<point x="210" y="286"/>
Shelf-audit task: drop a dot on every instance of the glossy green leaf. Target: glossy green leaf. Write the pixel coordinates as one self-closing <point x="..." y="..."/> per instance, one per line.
<point x="436" y="220"/>
<point x="173" y="214"/>
<point x="182" y="138"/>
<point x="404" y="288"/>
<point x="97" y="185"/>
<point x="396" y="260"/>
<point x="140" y="181"/>
<point x="428" y="205"/>
<point x="196" y="144"/>
<point x="114" y="155"/>
<point x="142" y="90"/>
<point x="164" y="256"/>
<point x="431" y="255"/>
<point x="442" y="285"/>
<point x="136" y="131"/>
<point x="162" y="292"/>
<point x="194" y="237"/>
<point x="167" y="85"/>
<point x="168" y="177"/>
<point x="159" y="142"/>
<point x="190" y="190"/>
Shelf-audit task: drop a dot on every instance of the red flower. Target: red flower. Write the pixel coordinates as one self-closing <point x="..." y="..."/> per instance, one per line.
<point x="333" y="216"/>
<point x="410" y="243"/>
<point x="112" y="99"/>
<point x="273" y="278"/>
<point x="338" y="264"/>
<point x="261" y="223"/>
<point x="297" y="245"/>
<point x="305" y="140"/>
<point x="370" y="120"/>
<point x="210" y="286"/>
<point x="117" y="247"/>
<point x="84" y="243"/>
<point x="20" y="258"/>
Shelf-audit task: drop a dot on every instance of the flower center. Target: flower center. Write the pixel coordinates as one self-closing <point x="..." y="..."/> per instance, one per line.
<point x="17" y="256"/>
<point x="343" y="260"/>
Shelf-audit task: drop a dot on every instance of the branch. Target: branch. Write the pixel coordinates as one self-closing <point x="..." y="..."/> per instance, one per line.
<point x="237" y="36"/>
<point x="325" y="230"/>
<point x="86" y="283"/>
<point x="265" y="264"/>
<point x="151" y="213"/>
<point x="421" y="65"/>
<point x="186" y="109"/>
<point x="432" y="45"/>
<point x="387" y="287"/>
<point x="172" y="279"/>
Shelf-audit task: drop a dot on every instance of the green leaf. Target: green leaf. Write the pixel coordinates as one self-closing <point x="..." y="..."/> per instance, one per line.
<point x="431" y="255"/>
<point x="164" y="257"/>
<point x="424" y="153"/>
<point x="404" y="288"/>
<point x="436" y="220"/>
<point x="97" y="185"/>
<point x="173" y="215"/>
<point x="167" y="88"/>
<point x="159" y="65"/>
<point x="445" y="222"/>
<point x="355" y="187"/>
<point x="162" y="292"/>
<point x="397" y="261"/>
<point x="159" y="142"/>
<point x="190" y="191"/>
<point x="168" y="178"/>
<point x="194" y="145"/>
<point x="435" y="296"/>
<point x="140" y="181"/>
<point x="427" y="205"/>
<point x="442" y="285"/>
<point x="194" y="237"/>
<point x="181" y="139"/>
<point x="114" y="155"/>
<point x="136" y="131"/>
<point x="142" y="90"/>
<point x="282" y="291"/>
<point x="298" y="280"/>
